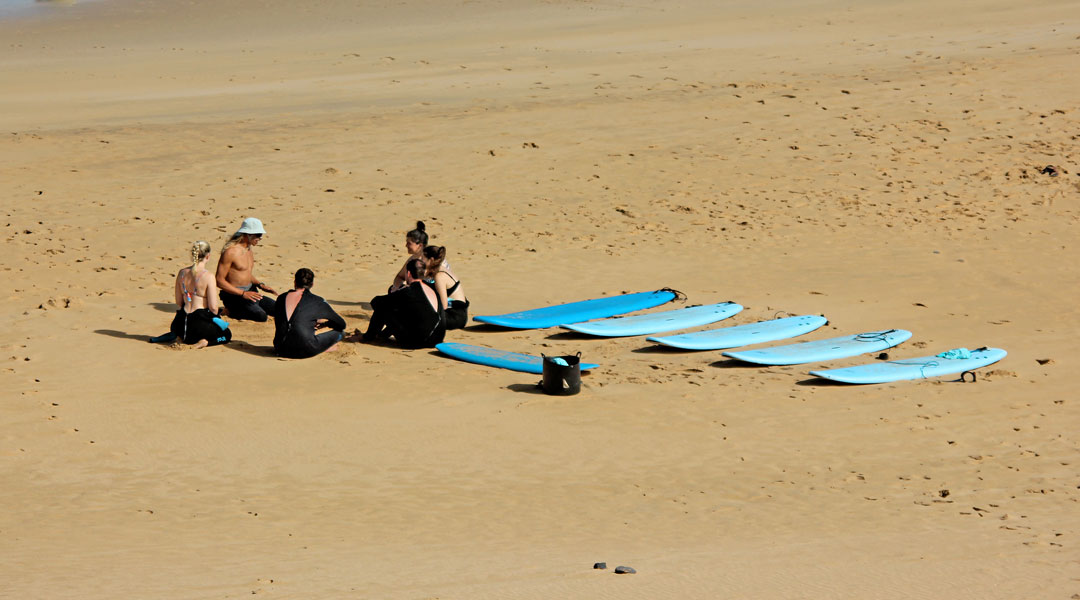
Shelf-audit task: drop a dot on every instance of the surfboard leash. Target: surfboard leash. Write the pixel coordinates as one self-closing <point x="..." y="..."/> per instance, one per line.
<point x="963" y="376"/>
<point x="874" y="336"/>
<point x="679" y="296"/>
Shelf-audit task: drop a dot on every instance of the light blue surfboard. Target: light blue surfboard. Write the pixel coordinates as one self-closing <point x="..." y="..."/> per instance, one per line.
<point x="743" y="335"/>
<point x="818" y="350"/>
<point x="669" y="320"/>
<point x="491" y="357"/>
<point x="912" y="368"/>
<point x="575" y="312"/>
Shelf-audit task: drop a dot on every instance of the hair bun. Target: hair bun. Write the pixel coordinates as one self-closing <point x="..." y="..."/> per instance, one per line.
<point x="420" y="226"/>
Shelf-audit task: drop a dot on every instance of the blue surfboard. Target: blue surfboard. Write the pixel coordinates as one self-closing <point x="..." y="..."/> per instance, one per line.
<point x="670" y="320"/>
<point x="491" y="357"/>
<point x="912" y="368"/>
<point x="743" y="335"/>
<point x="575" y="312"/>
<point x="819" y="350"/>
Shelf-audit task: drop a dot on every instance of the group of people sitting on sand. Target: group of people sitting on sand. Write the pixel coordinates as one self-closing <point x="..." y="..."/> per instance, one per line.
<point x="424" y="300"/>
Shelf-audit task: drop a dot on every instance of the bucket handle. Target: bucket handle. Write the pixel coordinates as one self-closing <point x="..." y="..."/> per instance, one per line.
<point x="545" y="356"/>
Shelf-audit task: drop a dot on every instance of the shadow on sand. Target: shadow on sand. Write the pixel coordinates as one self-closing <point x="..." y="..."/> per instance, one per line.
<point x="822" y="382"/>
<point x="486" y="328"/>
<point x="733" y="363"/>
<point x="574" y="336"/>
<point x="165" y="307"/>
<point x="362" y="305"/>
<point x="526" y="388"/>
<point x="246" y="348"/>
<point x="124" y="336"/>
<point x="662" y="349"/>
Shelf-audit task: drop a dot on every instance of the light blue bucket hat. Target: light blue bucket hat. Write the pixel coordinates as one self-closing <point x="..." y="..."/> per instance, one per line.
<point x="251" y="226"/>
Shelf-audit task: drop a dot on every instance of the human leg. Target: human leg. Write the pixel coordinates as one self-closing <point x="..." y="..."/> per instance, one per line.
<point x="202" y="326"/>
<point x="241" y="308"/>
<point x="380" y="306"/>
<point x="267" y="304"/>
<point x="324" y="341"/>
<point x="457" y="315"/>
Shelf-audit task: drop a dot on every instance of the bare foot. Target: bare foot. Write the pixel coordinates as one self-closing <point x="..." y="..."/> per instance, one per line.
<point x="201" y="344"/>
<point x="332" y="348"/>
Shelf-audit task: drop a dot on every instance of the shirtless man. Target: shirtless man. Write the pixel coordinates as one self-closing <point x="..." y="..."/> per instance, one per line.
<point x="236" y="279"/>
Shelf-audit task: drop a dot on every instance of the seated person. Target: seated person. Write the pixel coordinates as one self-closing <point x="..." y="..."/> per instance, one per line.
<point x="413" y="314"/>
<point x="297" y="314"/>
<point x="236" y="278"/>
<point x="447" y="287"/>
<point x="196" y="320"/>
<point x="415" y="243"/>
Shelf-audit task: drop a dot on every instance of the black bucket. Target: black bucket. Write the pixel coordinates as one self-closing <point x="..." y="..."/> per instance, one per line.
<point x="562" y="380"/>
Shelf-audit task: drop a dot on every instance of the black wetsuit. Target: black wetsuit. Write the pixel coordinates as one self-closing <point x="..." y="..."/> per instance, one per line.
<point x="408" y="316"/>
<point x="241" y="308"/>
<point x="200" y="324"/>
<point x="457" y="313"/>
<point x="295" y="337"/>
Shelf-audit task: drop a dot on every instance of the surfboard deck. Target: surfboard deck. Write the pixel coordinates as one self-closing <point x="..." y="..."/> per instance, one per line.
<point x="670" y="320"/>
<point x="492" y="357"/>
<point x="905" y="369"/>
<point x="743" y="335"/>
<point x="576" y="312"/>
<point x="819" y="350"/>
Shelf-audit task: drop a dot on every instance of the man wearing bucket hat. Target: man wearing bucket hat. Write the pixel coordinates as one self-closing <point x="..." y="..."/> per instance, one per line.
<point x="239" y="288"/>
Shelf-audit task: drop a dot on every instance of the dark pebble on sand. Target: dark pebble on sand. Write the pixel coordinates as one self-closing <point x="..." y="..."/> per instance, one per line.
<point x="624" y="570"/>
<point x="599" y="565"/>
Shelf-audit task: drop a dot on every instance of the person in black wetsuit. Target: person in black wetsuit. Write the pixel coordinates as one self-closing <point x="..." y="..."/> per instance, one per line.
<point x="413" y="314"/>
<point x="448" y="287"/>
<point x="297" y="314"/>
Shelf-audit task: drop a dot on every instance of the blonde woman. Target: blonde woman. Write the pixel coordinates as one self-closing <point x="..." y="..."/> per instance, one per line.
<point x="196" y="320"/>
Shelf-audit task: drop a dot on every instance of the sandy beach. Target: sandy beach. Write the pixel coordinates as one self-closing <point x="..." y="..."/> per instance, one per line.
<point x="882" y="163"/>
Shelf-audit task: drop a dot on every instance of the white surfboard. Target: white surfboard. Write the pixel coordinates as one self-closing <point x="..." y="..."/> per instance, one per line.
<point x="669" y="320"/>
<point x="923" y="367"/>
<point x="743" y="335"/>
<point x="819" y="350"/>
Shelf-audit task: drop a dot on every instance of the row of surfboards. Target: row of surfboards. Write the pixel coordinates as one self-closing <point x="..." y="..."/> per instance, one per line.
<point x="595" y="317"/>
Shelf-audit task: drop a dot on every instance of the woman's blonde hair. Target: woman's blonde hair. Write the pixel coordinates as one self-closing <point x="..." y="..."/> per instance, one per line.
<point x="199" y="251"/>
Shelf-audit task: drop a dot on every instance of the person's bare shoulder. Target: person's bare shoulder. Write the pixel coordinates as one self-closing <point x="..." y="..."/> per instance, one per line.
<point x="230" y="256"/>
<point x="232" y="252"/>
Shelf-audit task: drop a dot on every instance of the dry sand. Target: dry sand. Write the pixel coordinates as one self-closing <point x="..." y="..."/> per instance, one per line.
<point x="876" y="162"/>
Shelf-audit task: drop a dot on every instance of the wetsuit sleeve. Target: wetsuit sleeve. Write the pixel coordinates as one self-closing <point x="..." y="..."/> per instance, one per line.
<point x="335" y="321"/>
